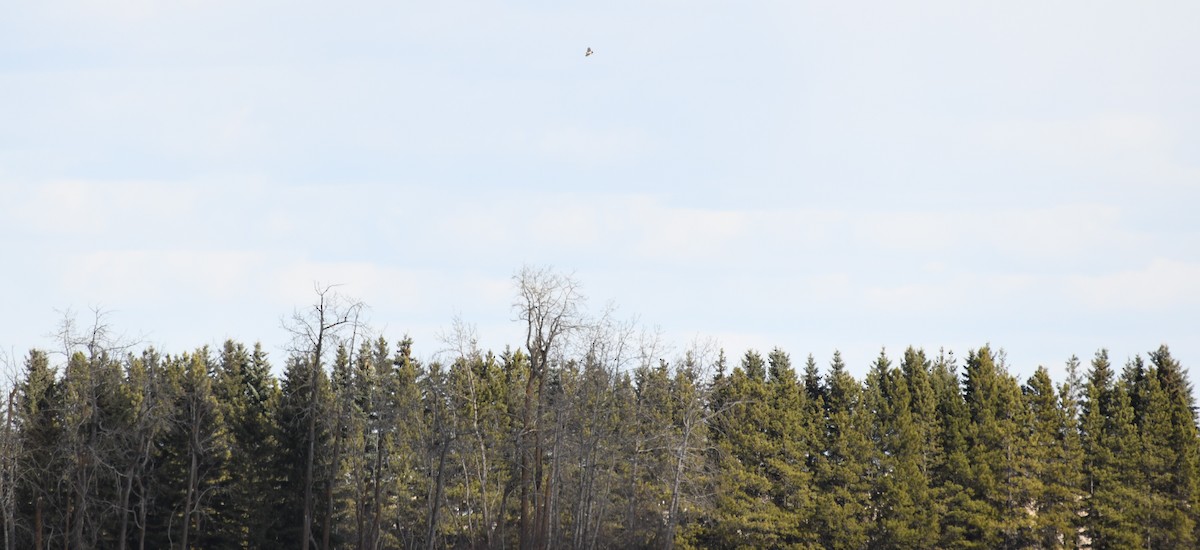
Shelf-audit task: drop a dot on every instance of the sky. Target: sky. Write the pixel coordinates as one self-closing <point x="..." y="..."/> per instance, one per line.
<point x="814" y="176"/>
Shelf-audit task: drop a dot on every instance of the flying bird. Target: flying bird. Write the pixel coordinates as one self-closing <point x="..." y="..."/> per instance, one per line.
<point x="588" y="52"/>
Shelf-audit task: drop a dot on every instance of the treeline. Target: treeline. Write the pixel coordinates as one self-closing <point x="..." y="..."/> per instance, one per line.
<point x="587" y="438"/>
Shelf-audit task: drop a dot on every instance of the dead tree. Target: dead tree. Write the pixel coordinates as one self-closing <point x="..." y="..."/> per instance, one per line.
<point x="313" y="331"/>
<point x="549" y="304"/>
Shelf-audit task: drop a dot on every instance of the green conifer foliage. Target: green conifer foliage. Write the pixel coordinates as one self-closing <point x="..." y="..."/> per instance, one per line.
<point x="1168" y="451"/>
<point x="248" y="396"/>
<point x="1053" y="464"/>
<point x="906" y="514"/>
<point x="292" y="437"/>
<point x="142" y="450"/>
<point x="40" y="502"/>
<point x="745" y="515"/>
<point x="1114" y="497"/>
<point x="845" y="471"/>
<point x="790" y="428"/>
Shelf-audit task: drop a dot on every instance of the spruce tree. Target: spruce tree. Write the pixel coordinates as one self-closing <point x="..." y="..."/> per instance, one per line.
<point x="1001" y="480"/>
<point x="1168" y="451"/>
<point x="296" y="397"/>
<point x="40" y="501"/>
<point x="1182" y="490"/>
<point x="790" y="429"/>
<point x="1054" y="465"/>
<point x="745" y="514"/>
<point x="844" y="471"/>
<point x="248" y="395"/>
<point x="952" y="473"/>
<point x="1116" y="499"/>
<point x="907" y="517"/>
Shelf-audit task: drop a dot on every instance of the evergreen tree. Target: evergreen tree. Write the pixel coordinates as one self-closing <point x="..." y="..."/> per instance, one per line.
<point x="790" y="430"/>
<point x="296" y="397"/>
<point x="40" y="502"/>
<point x="690" y="480"/>
<point x="409" y="486"/>
<point x="844" y="473"/>
<point x="1001" y="482"/>
<point x="1054" y="466"/>
<point x="952" y="473"/>
<point x="745" y="514"/>
<point x="1114" y="496"/>
<point x="248" y="396"/>
<point x="151" y="410"/>
<point x="648" y="494"/>
<point x="1181" y="438"/>
<point x="907" y="517"/>
<point x="1168" y="451"/>
<point x="200" y="434"/>
<point x="479" y="397"/>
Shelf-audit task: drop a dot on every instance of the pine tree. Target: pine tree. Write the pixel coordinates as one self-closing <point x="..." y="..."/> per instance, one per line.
<point x="146" y="416"/>
<point x="998" y="439"/>
<point x="292" y="416"/>
<point x="690" y="480"/>
<point x="745" y="514"/>
<point x="39" y="428"/>
<point x="409" y="486"/>
<point x="907" y="517"/>
<point x="951" y="469"/>
<point x="1168" y="451"/>
<point x="648" y="492"/>
<point x="1112" y="487"/>
<point x="479" y="398"/>
<point x="1182" y="439"/>
<point x="844" y="472"/>
<point x="248" y="396"/>
<point x="1054" y="467"/>
<point x="201" y="440"/>
<point x="790" y="429"/>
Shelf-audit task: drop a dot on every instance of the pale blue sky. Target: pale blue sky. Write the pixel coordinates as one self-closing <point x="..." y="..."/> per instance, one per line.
<point x="805" y="175"/>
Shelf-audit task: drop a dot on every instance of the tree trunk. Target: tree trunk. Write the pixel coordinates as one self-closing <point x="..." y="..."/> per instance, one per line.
<point x="377" y="510"/>
<point x="673" y="511"/>
<point x="439" y="487"/>
<point x="37" y="525"/>
<point x="142" y="515"/>
<point x="528" y="429"/>
<point x="308" y="465"/>
<point x="191" y="493"/>
<point x="123" y="532"/>
<point x="337" y="457"/>
<point x="80" y="503"/>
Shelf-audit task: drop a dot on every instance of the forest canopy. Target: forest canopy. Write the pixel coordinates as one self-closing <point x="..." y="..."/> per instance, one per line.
<point x="586" y="435"/>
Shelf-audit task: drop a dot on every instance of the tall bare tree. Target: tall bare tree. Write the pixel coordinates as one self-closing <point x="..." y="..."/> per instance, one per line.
<point x="549" y="304"/>
<point x="315" y="330"/>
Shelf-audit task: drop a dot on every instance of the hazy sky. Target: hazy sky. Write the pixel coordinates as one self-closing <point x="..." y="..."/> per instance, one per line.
<point x="808" y="175"/>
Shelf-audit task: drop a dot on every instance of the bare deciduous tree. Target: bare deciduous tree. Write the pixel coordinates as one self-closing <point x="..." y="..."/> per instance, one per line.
<point x="549" y="304"/>
<point x="314" y="331"/>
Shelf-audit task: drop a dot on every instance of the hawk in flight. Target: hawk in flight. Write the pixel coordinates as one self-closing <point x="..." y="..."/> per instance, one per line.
<point x="588" y="52"/>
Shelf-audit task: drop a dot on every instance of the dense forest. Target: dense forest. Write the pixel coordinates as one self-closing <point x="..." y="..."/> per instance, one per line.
<point x="586" y="435"/>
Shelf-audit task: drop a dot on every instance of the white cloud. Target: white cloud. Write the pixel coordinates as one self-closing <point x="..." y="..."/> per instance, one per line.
<point x="1064" y="232"/>
<point x="95" y="207"/>
<point x="373" y="283"/>
<point x="956" y="292"/>
<point x="153" y="276"/>
<point x="589" y="146"/>
<point x="1163" y="284"/>
<point x="1132" y="147"/>
<point x="1109" y="133"/>
<point x="684" y="233"/>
